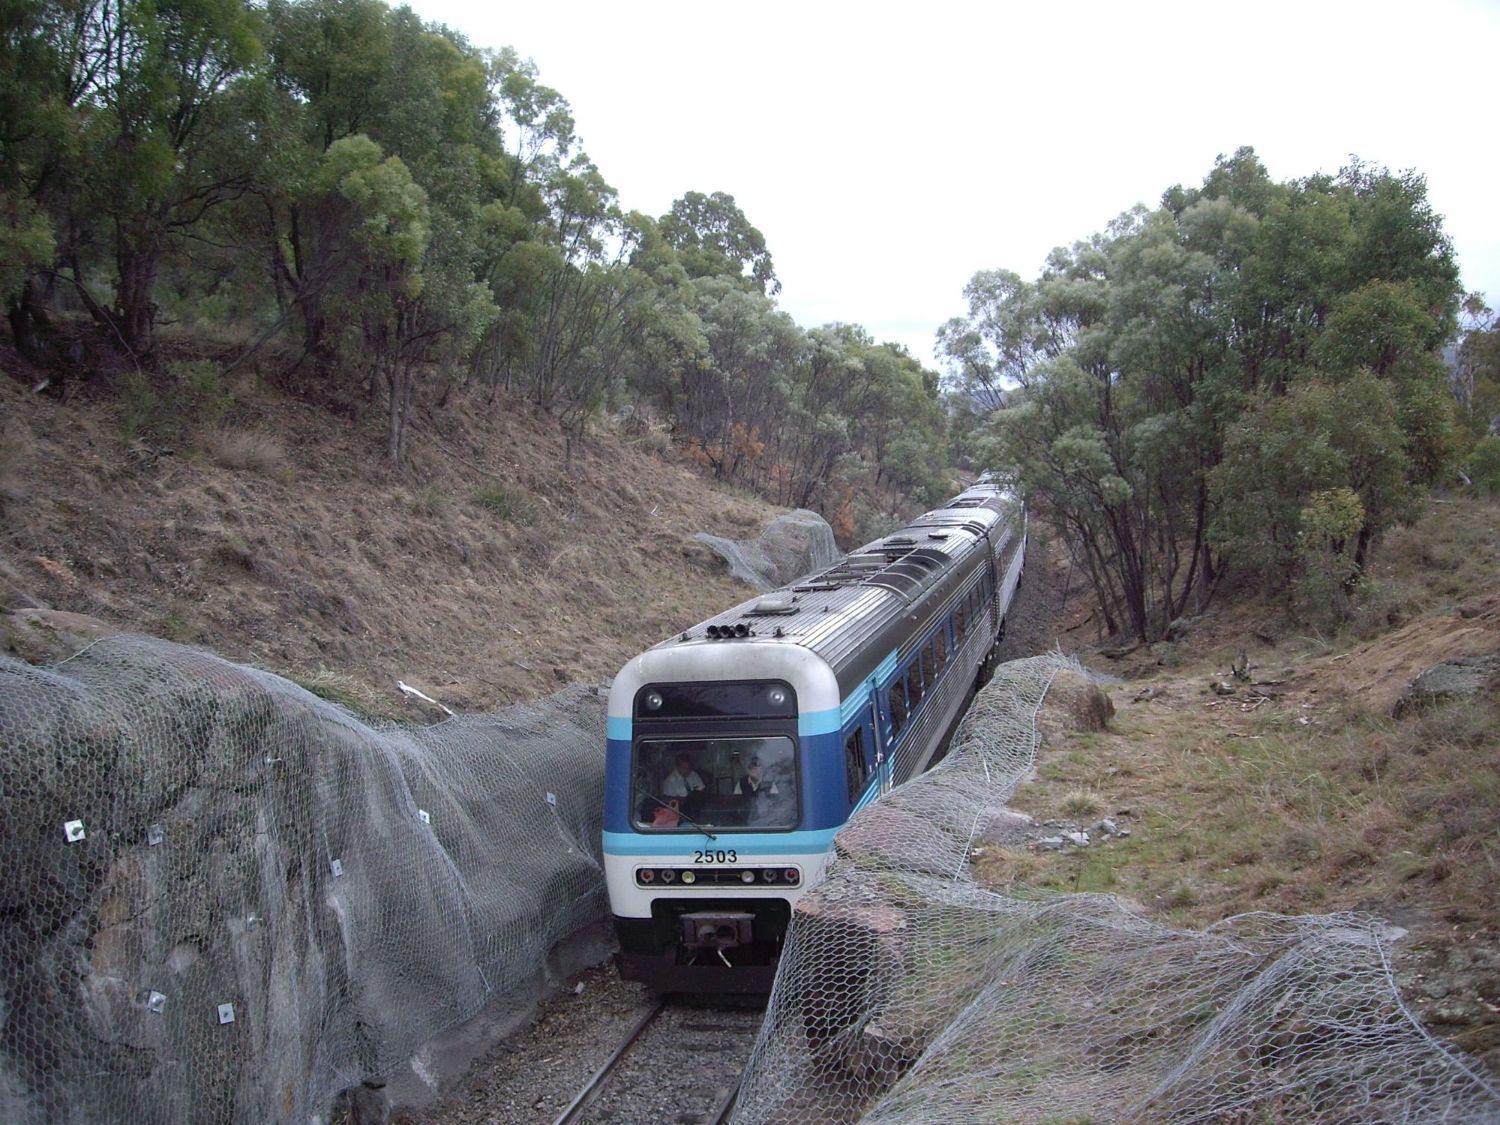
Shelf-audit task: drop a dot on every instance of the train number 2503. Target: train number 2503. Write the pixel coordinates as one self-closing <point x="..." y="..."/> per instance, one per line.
<point x="715" y="857"/>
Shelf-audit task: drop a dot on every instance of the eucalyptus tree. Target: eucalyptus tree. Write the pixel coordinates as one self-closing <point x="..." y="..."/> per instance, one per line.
<point x="37" y="95"/>
<point x="160" y="138"/>
<point x="730" y="395"/>
<point x="347" y="69"/>
<point x="1125" y="366"/>
<point x="713" y="238"/>
<point x="121" y="135"/>
<point x="1476" y="374"/>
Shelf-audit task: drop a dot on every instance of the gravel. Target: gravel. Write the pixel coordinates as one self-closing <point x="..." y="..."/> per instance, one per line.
<point x="681" y="1068"/>
<point x="677" y="1071"/>
<point x="533" y="1075"/>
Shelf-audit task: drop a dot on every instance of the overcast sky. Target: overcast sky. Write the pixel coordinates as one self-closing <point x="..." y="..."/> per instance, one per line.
<point x="889" y="152"/>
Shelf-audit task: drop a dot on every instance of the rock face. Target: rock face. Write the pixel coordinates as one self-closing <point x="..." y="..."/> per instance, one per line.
<point x="791" y="546"/>
<point x="223" y="899"/>
<point x="1452" y="679"/>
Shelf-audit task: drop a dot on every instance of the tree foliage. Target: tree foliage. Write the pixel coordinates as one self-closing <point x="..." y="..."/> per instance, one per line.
<point x="403" y="206"/>
<point x="1177" y="390"/>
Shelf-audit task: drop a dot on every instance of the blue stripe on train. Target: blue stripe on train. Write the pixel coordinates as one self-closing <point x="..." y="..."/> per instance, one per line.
<point x="818" y="722"/>
<point x="618" y="728"/>
<point x="858" y="700"/>
<point x="745" y="843"/>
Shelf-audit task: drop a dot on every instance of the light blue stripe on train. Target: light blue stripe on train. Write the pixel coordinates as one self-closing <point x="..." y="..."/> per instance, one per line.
<point x="746" y="844"/>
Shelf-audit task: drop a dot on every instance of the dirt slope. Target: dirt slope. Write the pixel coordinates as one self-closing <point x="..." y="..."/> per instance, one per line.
<point x="492" y="569"/>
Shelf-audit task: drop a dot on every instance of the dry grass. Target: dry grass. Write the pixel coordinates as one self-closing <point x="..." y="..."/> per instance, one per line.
<point x="244" y="450"/>
<point x="1448" y="555"/>
<point x="347" y="691"/>
<point x="1253" y="810"/>
<point x="1301" y="793"/>
<point x="13" y="443"/>
<point x="338" y="560"/>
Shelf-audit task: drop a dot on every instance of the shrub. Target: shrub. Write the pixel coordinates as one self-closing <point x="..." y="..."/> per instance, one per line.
<point x="1326" y="533"/>
<point x="506" y="502"/>
<point x="244" y="449"/>
<point x="1484" y="466"/>
<point x="159" y="408"/>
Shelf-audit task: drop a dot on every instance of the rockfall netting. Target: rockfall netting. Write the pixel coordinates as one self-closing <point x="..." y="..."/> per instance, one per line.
<point x="907" y="993"/>
<point x="224" y="899"/>
<point x="792" y="545"/>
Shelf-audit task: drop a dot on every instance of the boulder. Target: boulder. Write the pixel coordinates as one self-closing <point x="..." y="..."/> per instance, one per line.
<point x="1075" y="704"/>
<point x="1459" y="678"/>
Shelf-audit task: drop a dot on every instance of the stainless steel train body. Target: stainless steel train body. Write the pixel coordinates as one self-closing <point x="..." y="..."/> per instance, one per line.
<point x="738" y="749"/>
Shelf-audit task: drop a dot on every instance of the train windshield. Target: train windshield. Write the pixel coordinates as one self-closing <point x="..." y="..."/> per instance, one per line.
<point x="688" y="784"/>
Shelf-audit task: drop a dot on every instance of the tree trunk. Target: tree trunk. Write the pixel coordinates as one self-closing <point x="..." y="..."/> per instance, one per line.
<point x="135" y="288"/>
<point x="28" y="322"/>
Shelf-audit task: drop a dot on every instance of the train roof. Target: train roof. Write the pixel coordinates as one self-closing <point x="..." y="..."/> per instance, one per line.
<point x="889" y="585"/>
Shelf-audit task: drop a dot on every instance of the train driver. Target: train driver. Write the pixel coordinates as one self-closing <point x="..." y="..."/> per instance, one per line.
<point x="682" y="778"/>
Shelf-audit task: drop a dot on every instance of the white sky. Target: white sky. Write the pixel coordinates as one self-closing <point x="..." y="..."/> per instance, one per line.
<point x="887" y="152"/>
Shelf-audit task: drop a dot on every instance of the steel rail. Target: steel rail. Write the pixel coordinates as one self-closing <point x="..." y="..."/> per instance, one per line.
<point x="719" y="1115"/>
<point x="585" y="1097"/>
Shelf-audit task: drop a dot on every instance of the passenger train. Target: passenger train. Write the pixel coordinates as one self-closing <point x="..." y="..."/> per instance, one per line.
<point x="738" y="749"/>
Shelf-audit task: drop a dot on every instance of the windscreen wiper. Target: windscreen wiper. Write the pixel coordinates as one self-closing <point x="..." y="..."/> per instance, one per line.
<point x="682" y="814"/>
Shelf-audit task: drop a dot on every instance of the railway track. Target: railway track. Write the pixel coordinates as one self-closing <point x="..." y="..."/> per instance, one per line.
<point x="664" y="1069"/>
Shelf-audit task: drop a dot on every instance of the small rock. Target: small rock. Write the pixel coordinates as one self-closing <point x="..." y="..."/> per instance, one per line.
<point x="1222" y="687"/>
<point x="1050" y="843"/>
<point x="1079" y="839"/>
<point x="1105" y="827"/>
<point x="1122" y="833"/>
<point x="1145" y="695"/>
<point x="1452" y="679"/>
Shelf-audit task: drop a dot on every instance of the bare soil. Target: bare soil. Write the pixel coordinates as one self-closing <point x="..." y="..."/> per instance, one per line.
<point x="495" y="567"/>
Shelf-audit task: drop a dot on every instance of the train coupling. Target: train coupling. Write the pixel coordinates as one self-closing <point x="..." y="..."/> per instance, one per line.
<point x="716" y="929"/>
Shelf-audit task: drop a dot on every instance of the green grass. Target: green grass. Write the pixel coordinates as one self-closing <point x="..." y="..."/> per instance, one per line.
<point x="508" y="503"/>
<point x="176" y="627"/>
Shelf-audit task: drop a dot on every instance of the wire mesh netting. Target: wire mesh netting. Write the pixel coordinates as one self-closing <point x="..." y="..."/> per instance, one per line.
<point x="909" y="993"/>
<point x="224" y="899"/>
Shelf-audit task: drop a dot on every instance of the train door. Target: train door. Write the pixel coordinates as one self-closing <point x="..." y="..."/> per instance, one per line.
<point x="882" y="767"/>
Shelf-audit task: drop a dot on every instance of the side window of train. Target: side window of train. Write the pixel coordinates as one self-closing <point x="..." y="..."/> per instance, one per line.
<point x="898" y="707"/>
<point x="961" y="620"/>
<point x="914" y="683"/>
<point x="854" y="760"/>
<point x="929" y="665"/>
<point x="939" y="648"/>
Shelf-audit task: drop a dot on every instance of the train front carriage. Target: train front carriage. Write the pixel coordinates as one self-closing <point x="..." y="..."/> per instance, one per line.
<point x="739" y="748"/>
<point x="724" y="787"/>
